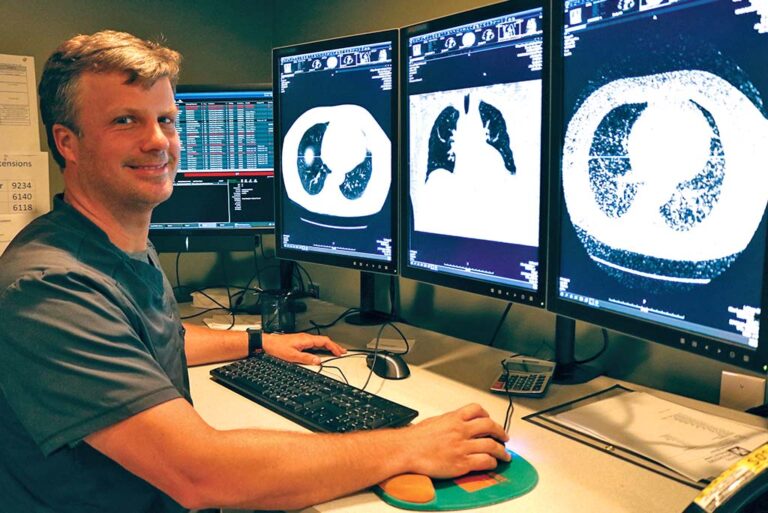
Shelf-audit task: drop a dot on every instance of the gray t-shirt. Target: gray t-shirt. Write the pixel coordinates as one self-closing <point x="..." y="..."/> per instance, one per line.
<point x="88" y="337"/>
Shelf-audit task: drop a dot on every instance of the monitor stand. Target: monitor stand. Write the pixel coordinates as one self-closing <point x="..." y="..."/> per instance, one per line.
<point x="568" y="371"/>
<point x="368" y="315"/>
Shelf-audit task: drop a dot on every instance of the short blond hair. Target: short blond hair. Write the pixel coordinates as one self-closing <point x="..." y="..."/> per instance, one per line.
<point x="144" y="62"/>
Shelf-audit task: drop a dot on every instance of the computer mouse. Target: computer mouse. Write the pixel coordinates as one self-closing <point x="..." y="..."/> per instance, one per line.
<point x="388" y="365"/>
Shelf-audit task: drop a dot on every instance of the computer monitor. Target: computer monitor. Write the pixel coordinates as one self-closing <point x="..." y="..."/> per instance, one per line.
<point x="223" y="195"/>
<point x="659" y="204"/>
<point x="473" y="204"/>
<point x="336" y="141"/>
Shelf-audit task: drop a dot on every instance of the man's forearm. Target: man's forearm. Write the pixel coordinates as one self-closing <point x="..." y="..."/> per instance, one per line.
<point x="202" y="467"/>
<point x="203" y="345"/>
<point x="294" y="470"/>
<point x="280" y="470"/>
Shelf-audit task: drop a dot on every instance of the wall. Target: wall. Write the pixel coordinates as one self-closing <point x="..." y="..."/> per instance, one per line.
<point x="230" y="41"/>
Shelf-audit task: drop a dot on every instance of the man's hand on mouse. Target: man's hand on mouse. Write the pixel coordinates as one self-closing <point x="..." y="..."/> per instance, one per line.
<point x="455" y="443"/>
<point x="291" y="347"/>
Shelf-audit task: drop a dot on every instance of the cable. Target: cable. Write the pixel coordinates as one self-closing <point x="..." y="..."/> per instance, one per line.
<point x="509" y="413"/>
<point x="179" y="286"/>
<point x="324" y="366"/>
<point x="595" y="356"/>
<point x="375" y="354"/>
<point x="202" y="312"/>
<point x="213" y="300"/>
<point x="376" y="350"/>
<point x="263" y="255"/>
<point x="402" y="336"/>
<point x="600" y="352"/>
<point x="360" y="352"/>
<point x="318" y="327"/>
<point x="334" y="358"/>
<point x="248" y="288"/>
<point x="499" y="324"/>
<point x="511" y="405"/>
<point x="219" y="306"/>
<point x="230" y="305"/>
<point x="299" y="268"/>
<point x="378" y="338"/>
<point x="271" y="266"/>
<point x="257" y="271"/>
<point x="256" y="268"/>
<point x="178" y="280"/>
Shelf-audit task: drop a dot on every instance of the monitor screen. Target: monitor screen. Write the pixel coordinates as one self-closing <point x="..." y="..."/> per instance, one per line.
<point x="662" y="186"/>
<point x="473" y="201"/>
<point x="335" y="131"/>
<point x="224" y="189"/>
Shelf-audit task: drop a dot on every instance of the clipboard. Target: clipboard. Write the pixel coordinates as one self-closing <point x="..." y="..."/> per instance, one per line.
<point x="546" y="419"/>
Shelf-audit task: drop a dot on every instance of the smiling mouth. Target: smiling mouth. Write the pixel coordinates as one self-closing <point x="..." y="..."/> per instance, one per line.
<point x="163" y="167"/>
<point x="148" y="167"/>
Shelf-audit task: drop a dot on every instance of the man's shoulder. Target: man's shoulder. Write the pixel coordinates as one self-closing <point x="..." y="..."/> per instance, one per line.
<point x="48" y="247"/>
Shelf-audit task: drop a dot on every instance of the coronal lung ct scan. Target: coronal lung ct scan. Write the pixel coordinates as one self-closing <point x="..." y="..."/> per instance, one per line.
<point x="472" y="157"/>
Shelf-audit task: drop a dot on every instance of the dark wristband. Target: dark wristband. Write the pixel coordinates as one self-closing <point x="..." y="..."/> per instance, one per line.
<point x="254" y="341"/>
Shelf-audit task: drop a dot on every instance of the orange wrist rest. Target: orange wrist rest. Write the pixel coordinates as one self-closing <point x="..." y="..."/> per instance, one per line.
<point x="416" y="488"/>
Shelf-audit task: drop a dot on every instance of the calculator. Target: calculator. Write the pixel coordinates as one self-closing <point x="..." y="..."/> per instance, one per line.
<point x="524" y="376"/>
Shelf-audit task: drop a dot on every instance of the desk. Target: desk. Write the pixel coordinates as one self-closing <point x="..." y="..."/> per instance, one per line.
<point x="447" y="373"/>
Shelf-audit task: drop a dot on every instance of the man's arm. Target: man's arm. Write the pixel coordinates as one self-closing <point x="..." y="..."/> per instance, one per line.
<point x="204" y="345"/>
<point x="171" y="447"/>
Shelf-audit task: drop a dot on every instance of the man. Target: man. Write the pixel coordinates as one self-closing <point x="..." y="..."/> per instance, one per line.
<point x="95" y="412"/>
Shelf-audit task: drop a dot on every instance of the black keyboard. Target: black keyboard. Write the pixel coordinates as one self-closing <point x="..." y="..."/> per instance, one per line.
<point x="315" y="401"/>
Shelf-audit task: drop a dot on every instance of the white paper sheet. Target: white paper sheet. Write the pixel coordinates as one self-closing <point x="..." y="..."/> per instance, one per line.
<point x="695" y="444"/>
<point x="18" y="105"/>
<point x="24" y="192"/>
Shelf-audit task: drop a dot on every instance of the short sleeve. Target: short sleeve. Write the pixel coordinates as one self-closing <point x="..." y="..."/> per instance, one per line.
<point x="72" y="360"/>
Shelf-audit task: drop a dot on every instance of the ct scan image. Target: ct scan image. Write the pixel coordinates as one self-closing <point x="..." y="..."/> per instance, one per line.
<point x="475" y="162"/>
<point x="337" y="161"/>
<point x="660" y="178"/>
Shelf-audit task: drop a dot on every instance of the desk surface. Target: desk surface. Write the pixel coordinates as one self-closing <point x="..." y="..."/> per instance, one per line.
<point x="447" y="373"/>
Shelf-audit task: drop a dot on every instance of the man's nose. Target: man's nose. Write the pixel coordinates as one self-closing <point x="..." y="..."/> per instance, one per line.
<point x="156" y="138"/>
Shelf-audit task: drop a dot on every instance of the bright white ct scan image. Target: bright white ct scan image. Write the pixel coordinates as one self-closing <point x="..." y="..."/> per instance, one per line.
<point x="475" y="158"/>
<point x="669" y="166"/>
<point x="337" y="161"/>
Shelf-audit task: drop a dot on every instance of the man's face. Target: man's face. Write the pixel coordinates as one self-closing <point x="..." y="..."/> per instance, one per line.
<point x="128" y="150"/>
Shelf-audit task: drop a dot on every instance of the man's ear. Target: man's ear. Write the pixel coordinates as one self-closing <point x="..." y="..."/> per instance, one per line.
<point x="66" y="142"/>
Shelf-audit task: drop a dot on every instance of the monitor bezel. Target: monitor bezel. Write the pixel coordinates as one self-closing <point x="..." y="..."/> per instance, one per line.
<point x="535" y="298"/>
<point x="341" y="261"/>
<point x="213" y="239"/>
<point x="723" y="351"/>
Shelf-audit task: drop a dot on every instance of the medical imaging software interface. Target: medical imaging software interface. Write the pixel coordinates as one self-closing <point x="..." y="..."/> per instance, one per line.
<point x="665" y="162"/>
<point x="474" y="96"/>
<point x="336" y="157"/>
<point x="226" y="167"/>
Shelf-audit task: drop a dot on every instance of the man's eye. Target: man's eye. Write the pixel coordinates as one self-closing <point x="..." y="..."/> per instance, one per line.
<point x="167" y="120"/>
<point x="124" y="120"/>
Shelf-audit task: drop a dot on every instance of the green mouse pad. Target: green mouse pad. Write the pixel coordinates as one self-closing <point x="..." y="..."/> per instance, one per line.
<point x="505" y="482"/>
